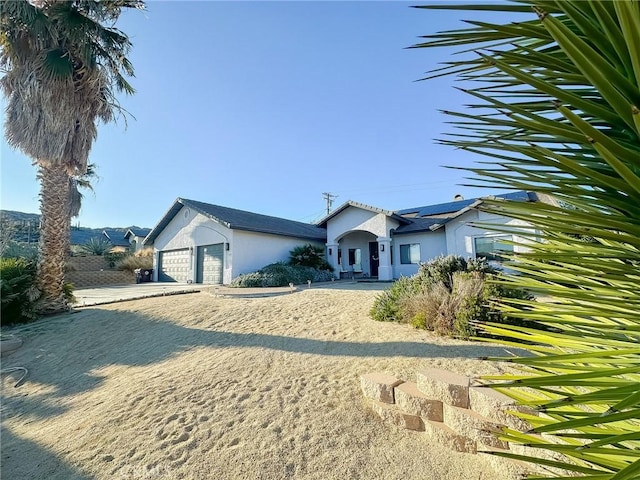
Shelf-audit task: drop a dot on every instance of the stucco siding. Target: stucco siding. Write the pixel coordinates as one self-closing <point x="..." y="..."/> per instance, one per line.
<point x="353" y="219"/>
<point x="251" y="251"/>
<point x="356" y="240"/>
<point x="431" y="244"/>
<point x="189" y="229"/>
<point x="461" y="235"/>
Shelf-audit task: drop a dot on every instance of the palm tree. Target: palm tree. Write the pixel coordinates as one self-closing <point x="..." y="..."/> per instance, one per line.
<point x="77" y="183"/>
<point x="63" y="67"/>
<point x="556" y="110"/>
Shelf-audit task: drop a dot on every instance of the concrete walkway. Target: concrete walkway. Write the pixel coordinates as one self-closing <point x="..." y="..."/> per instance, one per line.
<point x="117" y="293"/>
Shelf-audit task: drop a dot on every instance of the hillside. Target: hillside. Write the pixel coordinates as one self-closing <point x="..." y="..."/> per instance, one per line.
<point x="26" y="229"/>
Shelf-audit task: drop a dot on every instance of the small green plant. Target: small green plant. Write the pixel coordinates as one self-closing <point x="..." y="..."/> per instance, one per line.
<point x="96" y="246"/>
<point x="419" y="320"/>
<point x="309" y="256"/>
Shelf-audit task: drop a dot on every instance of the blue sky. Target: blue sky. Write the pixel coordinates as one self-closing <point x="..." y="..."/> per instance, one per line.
<point x="263" y="106"/>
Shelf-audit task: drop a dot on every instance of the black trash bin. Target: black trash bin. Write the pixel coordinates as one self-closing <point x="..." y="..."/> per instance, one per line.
<point x="146" y="275"/>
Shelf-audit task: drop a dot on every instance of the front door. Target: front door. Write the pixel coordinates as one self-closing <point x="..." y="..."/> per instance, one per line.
<point x="374" y="259"/>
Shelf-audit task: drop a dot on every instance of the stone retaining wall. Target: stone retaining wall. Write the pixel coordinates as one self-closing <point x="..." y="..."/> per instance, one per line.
<point x="90" y="263"/>
<point x="94" y="271"/>
<point x="99" y="278"/>
<point x="454" y="413"/>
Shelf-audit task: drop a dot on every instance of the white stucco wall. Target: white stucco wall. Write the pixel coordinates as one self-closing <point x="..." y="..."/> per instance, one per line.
<point x="354" y="218"/>
<point x="191" y="229"/>
<point x="357" y="240"/>
<point x="460" y="234"/>
<point x="431" y="244"/>
<point x="248" y="251"/>
<point x="251" y="251"/>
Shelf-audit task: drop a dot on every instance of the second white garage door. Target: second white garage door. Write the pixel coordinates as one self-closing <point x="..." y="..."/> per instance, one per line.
<point x="210" y="264"/>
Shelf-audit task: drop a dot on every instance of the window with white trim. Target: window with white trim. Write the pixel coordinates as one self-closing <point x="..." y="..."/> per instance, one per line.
<point x="410" y="253"/>
<point x="493" y="247"/>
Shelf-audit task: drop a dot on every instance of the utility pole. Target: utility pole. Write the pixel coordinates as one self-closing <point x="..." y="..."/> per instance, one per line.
<point x="329" y="199"/>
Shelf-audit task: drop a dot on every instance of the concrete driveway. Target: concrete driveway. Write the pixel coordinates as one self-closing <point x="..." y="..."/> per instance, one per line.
<point x="117" y="293"/>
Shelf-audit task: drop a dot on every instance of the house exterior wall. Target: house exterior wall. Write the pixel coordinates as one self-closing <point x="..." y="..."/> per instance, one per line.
<point x="356" y="240"/>
<point x="251" y="251"/>
<point x="248" y="251"/>
<point x="432" y="244"/>
<point x="189" y="229"/>
<point x="354" y="228"/>
<point x="353" y="218"/>
<point x="136" y="242"/>
<point x="461" y="235"/>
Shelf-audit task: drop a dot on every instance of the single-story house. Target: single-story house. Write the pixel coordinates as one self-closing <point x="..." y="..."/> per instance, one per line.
<point x="203" y="243"/>
<point x="367" y="241"/>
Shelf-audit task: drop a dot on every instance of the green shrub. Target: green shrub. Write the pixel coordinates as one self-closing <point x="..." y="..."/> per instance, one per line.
<point x="113" y="258"/>
<point x="449" y="295"/>
<point x="281" y="274"/>
<point x="442" y="268"/>
<point x="19" y="295"/>
<point x="309" y="256"/>
<point x="96" y="246"/>
<point x="386" y="306"/>
<point x="14" y="249"/>
<point x="17" y="290"/>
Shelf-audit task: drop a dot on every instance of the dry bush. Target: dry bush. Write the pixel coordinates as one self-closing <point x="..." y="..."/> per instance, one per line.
<point x="145" y="252"/>
<point x="437" y="309"/>
<point x="132" y="262"/>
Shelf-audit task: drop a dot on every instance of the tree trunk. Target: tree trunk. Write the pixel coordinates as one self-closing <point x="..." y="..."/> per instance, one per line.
<point x="54" y="238"/>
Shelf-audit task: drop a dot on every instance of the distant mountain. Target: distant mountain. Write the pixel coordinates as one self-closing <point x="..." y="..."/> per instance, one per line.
<point x="12" y="216"/>
<point x="27" y="226"/>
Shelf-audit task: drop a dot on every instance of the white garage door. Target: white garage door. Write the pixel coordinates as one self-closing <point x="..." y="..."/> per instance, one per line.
<point x="210" y="259"/>
<point x="174" y="266"/>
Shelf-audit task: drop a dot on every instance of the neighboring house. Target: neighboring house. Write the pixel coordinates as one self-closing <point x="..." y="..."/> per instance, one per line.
<point x="371" y="242"/>
<point x="135" y="236"/>
<point x="204" y="243"/>
<point x="126" y="240"/>
<point x="116" y="238"/>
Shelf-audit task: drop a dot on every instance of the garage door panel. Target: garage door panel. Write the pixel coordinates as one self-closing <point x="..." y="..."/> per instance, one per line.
<point x="174" y="266"/>
<point x="210" y="264"/>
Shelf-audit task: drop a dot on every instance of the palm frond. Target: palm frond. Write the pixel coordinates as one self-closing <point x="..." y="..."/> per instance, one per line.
<point x="556" y="112"/>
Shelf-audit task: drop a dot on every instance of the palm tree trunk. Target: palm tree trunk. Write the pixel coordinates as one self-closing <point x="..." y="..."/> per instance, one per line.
<point x="54" y="238"/>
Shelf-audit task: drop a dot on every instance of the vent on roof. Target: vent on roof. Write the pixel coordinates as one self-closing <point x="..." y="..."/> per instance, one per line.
<point x="458" y="197"/>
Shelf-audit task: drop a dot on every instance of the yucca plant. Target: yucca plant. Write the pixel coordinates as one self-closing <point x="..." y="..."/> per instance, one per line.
<point x="556" y="111"/>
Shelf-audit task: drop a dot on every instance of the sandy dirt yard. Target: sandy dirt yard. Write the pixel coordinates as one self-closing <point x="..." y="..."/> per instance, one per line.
<point x="202" y="387"/>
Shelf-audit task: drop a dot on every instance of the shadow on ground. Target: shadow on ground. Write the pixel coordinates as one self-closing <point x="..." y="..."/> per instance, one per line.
<point x="63" y="353"/>
<point x="43" y="463"/>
